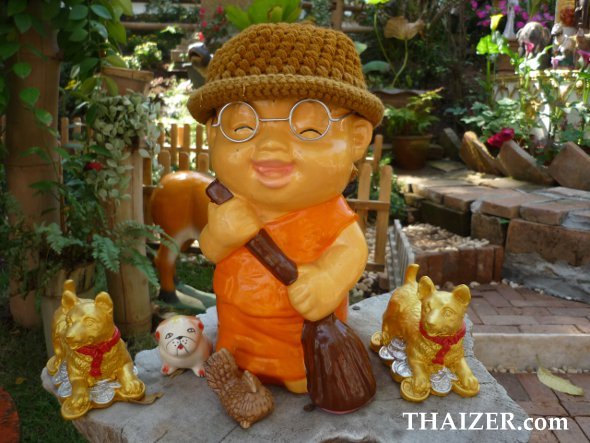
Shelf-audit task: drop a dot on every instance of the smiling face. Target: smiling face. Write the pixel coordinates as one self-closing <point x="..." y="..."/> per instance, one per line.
<point x="275" y="169"/>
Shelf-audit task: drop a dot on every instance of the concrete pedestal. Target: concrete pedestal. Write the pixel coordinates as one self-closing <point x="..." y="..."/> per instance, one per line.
<point x="190" y="411"/>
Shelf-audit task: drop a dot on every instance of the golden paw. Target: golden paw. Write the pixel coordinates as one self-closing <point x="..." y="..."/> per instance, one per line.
<point x="74" y="408"/>
<point x="409" y="394"/>
<point x="465" y="391"/>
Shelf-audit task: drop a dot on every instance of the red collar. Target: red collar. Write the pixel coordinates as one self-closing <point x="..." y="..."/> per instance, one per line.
<point x="445" y="341"/>
<point x="98" y="351"/>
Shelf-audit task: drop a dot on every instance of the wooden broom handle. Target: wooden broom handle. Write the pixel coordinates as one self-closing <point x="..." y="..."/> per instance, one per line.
<point x="262" y="246"/>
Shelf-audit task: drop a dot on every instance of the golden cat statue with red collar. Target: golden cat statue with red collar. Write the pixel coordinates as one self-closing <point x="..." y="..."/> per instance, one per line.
<point x="422" y="339"/>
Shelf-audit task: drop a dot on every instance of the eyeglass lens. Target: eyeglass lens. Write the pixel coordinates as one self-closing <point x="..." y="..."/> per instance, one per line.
<point x="309" y="121"/>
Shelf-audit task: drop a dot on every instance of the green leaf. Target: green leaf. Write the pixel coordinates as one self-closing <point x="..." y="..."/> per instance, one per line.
<point x="101" y="150"/>
<point x="29" y="95"/>
<point x="88" y="85"/>
<point x="125" y="5"/>
<point x="62" y="152"/>
<point x="376" y="2"/>
<point x="87" y="65"/>
<point x="115" y="60"/>
<point x="23" y="22"/>
<point x="78" y="35"/>
<point x="111" y="86"/>
<point x="237" y="17"/>
<point x="486" y="46"/>
<point x="50" y="10"/>
<point x="117" y="32"/>
<point x="8" y="49"/>
<point x="43" y="116"/>
<point x="36" y="150"/>
<point x="43" y="185"/>
<point x="100" y="29"/>
<point x="360" y="47"/>
<point x="275" y="14"/>
<point x="101" y="11"/>
<point x="376" y="66"/>
<point x="78" y="12"/>
<point x="22" y="69"/>
<point x="16" y="7"/>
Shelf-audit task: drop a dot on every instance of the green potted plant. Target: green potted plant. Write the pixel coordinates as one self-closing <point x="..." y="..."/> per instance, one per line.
<point x="408" y="128"/>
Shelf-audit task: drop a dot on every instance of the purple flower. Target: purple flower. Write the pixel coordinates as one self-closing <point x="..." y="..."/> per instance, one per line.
<point x="474" y="4"/>
<point x="524" y="15"/>
<point x="481" y="14"/>
<point x="484" y="23"/>
<point x="502" y="4"/>
<point x="585" y="56"/>
<point x="554" y="62"/>
<point x="517" y="9"/>
<point x="519" y="25"/>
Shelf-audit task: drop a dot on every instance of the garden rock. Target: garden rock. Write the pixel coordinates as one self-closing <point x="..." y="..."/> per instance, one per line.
<point x="450" y="142"/>
<point x="190" y="411"/>
<point x="570" y="167"/>
<point x="520" y="165"/>
<point x="475" y="155"/>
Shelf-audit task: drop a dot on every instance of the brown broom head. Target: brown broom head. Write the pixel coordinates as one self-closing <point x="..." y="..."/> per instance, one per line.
<point x="339" y="375"/>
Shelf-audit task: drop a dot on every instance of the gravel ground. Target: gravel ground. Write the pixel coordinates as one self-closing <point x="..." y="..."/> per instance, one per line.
<point x="428" y="238"/>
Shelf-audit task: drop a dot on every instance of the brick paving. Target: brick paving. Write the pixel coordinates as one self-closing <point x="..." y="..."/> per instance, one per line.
<point x="501" y="308"/>
<point x="540" y="401"/>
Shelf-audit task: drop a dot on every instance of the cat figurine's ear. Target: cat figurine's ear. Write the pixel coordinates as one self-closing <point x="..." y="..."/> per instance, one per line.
<point x="425" y="288"/>
<point x="462" y="294"/>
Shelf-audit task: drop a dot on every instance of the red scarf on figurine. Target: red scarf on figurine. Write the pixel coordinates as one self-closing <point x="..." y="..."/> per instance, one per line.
<point x="444" y="341"/>
<point x="98" y="351"/>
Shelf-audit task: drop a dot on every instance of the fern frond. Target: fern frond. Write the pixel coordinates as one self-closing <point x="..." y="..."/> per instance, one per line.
<point x="106" y="252"/>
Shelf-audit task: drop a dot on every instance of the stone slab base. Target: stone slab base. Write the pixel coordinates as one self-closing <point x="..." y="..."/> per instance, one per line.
<point x="190" y="411"/>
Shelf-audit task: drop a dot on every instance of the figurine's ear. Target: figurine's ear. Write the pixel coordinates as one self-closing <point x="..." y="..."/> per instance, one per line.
<point x="103" y="300"/>
<point x="199" y="323"/>
<point x="68" y="299"/>
<point x="425" y="287"/>
<point x="462" y="294"/>
<point x="362" y="131"/>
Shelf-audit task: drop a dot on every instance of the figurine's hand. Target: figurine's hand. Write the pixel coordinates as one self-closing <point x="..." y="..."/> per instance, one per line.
<point x="230" y="225"/>
<point x="314" y="294"/>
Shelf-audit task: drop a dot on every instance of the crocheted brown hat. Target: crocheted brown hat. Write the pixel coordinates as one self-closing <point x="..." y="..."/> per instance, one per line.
<point x="286" y="60"/>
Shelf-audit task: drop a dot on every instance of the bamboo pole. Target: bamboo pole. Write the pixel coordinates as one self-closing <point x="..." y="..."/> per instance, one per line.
<point x="203" y="162"/>
<point x="364" y="190"/>
<point x="383" y="214"/>
<point x="183" y="161"/>
<point x="147" y="171"/>
<point x="173" y="144"/>
<point x="164" y="161"/>
<point x="186" y="137"/>
<point x="377" y="152"/>
<point x="129" y="287"/>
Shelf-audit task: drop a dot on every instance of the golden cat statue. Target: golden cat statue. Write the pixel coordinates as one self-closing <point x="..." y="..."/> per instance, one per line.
<point x="422" y="339"/>
<point x="91" y="367"/>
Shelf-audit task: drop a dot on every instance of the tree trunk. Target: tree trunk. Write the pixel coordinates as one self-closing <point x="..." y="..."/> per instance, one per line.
<point x="23" y="132"/>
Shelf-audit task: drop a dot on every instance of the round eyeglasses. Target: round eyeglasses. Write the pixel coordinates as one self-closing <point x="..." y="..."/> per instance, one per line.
<point x="309" y="120"/>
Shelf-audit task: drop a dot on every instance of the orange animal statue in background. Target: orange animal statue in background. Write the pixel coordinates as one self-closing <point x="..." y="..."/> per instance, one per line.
<point x="179" y="207"/>
<point x="287" y="113"/>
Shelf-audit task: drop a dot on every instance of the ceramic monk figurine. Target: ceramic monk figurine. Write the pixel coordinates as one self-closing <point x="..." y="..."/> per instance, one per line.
<point x="287" y="113"/>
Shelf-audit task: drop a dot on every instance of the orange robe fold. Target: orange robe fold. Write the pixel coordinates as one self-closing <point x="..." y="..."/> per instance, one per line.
<point x="257" y="323"/>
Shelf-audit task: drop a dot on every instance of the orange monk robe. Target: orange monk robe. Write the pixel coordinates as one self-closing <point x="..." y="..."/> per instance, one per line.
<point x="257" y="323"/>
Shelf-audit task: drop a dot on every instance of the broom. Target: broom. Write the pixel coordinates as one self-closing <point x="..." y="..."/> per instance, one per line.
<point x="339" y="374"/>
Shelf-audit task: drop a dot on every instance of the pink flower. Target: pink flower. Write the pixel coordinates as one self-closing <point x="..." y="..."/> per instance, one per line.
<point x="519" y="25"/>
<point x="201" y="37"/>
<point x="93" y="166"/>
<point x="219" y="10"/>
<point x="203" y="24"/>
<point x="529" y="47"/>
<point x="481" y="14"/>
<point x="474" y="4"/>
<point x="202" y="12"/>
<point x="524" y="15"/>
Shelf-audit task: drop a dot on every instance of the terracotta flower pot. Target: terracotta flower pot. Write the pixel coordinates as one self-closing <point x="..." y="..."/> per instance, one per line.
<point x="409" y="151"/>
